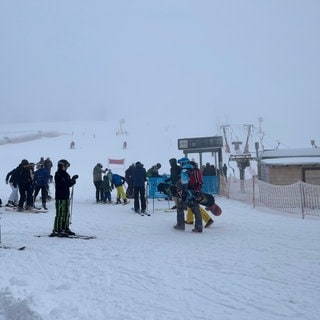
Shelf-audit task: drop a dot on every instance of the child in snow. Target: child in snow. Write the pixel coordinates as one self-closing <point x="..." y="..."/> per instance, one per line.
<point x="106" y="189"/>
<point x="117" y="182"/>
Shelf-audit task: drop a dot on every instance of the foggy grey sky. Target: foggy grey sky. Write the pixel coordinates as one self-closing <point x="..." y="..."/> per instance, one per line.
<point x="206" y="62"/>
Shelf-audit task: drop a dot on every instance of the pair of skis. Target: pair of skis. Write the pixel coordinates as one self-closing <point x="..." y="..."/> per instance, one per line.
<point x="141" y="213"/>
<point x="76" y="236"/>
<point x="33" y="210"/>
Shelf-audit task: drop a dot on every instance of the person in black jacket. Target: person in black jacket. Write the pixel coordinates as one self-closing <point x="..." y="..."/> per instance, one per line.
<point x="11" y="179"/>
<point x="139" y="177"/>
<point x="63" y="182"/>
<point x="128" y="177"/>
<point x="24" y="175"/>
<point x="175" y="171"/>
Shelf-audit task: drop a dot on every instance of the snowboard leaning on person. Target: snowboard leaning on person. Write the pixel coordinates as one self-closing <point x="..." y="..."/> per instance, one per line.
<point x="63" y="182"/>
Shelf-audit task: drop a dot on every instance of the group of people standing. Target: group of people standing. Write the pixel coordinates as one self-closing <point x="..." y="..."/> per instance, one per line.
<point x="26" y="182"/>
<point x="105" y="181"/>
<point x="135" y="178"/>
<point x="185" y="176"/>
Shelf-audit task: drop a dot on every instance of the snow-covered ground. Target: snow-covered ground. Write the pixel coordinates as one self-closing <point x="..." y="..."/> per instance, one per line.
<point x="251" y="264"/>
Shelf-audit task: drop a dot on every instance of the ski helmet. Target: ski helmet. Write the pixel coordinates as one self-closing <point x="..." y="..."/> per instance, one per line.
<point x="183" y="160"/>
<point x="64" y="163"/>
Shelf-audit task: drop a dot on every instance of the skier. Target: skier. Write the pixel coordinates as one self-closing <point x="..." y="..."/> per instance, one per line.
<point x="97" y="180"/>
<point x="63" y="182"/>
<point x="139" y="177"/>
<point x="117" y="182"/>
<point x="41" y="181"/>
<point x="11" y="179"/>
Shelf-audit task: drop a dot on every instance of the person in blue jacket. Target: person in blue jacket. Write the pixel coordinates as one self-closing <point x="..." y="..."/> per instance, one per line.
<point x="117" y="182"/>
<point x="41" y="182"/>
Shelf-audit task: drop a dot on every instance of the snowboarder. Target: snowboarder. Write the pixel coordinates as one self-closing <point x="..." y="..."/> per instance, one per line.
<point x="188" y="186"/>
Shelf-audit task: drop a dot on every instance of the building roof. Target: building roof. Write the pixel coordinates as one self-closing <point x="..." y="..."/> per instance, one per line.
<point x="290" y="153"/>
<point x="310" y="161"/>
<point x="302" y="156"/>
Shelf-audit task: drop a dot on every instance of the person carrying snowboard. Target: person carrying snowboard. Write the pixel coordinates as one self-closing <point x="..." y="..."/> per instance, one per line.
<point x="63" y="182"/>
<point x="188" y="187"/>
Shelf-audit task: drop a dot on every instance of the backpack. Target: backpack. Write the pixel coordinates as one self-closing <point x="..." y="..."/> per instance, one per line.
<point x="195" y="179"/>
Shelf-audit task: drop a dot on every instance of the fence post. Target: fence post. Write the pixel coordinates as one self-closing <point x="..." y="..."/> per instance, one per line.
<point x="301" y="198"/>
<point x="253" y="191"/>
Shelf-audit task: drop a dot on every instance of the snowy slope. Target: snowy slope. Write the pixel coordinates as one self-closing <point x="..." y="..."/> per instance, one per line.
<point x="251" y="264"/>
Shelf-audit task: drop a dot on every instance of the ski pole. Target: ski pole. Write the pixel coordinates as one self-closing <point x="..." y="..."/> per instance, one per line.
<point x="147" y="195"/>
<point x="71" y="205"/>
